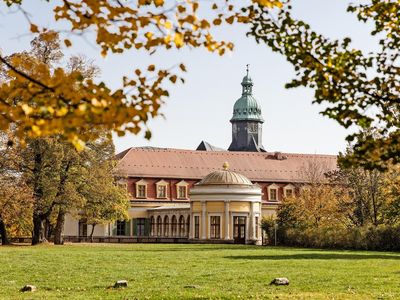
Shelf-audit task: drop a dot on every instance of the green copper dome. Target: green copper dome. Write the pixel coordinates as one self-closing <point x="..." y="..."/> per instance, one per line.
<point x="247" y="108"/>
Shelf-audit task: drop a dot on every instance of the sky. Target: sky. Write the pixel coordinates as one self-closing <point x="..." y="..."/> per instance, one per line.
<point x="201" y="108"/>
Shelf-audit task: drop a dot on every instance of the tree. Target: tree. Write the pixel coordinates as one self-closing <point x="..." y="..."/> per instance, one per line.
<point x="105" y="200"/>
<point x="357" y="89"/>
<point x="15" y="195"/>
<point x="391" y="188"/>
<point x="42" y="103"/>
<point x="362" y="200"/>
<point x="316" y="203"/>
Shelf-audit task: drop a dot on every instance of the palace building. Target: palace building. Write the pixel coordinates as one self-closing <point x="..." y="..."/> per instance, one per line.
<point x="207" y="195"/>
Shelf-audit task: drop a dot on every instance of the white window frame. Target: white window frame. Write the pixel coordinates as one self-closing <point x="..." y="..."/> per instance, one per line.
<point x="162" y="183"/>
<point x="138" y="183"/>
<point x="288" y="187"/>
<point x="220" y="215"/>
<point x="273" y="187"/>
<point x="240" y="214"/>
<point x="184" y="184"/>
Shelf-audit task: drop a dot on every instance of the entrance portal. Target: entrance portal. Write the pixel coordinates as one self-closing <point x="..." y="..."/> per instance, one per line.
<point x="239" y="230"/>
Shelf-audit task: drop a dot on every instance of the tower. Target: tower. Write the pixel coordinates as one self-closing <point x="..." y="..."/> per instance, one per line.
<point x="247" y="120"/>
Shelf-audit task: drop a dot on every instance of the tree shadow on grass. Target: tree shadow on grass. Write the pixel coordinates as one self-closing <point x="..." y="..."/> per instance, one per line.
<point x="311" y="256"/>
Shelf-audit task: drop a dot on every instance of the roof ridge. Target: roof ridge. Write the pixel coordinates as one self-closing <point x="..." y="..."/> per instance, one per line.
<point x="159" y="149"/>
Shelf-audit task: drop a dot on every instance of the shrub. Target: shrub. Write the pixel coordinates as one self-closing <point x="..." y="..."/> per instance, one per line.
<point x="382" y="237"/>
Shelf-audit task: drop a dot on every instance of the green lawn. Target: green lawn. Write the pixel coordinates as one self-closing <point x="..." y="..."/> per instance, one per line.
<point x="84" y="271"/>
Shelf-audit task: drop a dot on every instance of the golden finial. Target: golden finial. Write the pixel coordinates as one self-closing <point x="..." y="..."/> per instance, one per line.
<point x="225" y="166"/>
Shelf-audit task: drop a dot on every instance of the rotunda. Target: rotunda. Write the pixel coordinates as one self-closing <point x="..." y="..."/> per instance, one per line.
<point x="225" y="207"/>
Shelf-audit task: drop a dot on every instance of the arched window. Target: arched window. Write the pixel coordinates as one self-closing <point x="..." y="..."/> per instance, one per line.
<point x="159" y="226"/>
<point x="152" y="226"/>
<point x="181" y="227"/>
<point x="166" y="226"/>
<point x="187" y="226"/>
<point x="174" y="226"/>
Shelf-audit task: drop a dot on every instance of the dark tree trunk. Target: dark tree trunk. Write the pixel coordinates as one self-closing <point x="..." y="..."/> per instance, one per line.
<point x="48" y="229"/>
<point x="3" y="233"/>
<point x="38" y="235"/>
<point x="91" y="233"/>
<point x="59" y="229"/>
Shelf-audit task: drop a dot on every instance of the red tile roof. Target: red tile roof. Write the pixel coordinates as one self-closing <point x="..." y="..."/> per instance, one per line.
<point x="190" y="164"/>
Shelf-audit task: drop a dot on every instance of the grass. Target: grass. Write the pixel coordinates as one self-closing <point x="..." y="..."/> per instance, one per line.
<point x="160" y="271"/>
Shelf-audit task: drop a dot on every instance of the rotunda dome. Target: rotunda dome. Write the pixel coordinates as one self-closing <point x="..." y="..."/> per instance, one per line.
<point x="225" y="177"/>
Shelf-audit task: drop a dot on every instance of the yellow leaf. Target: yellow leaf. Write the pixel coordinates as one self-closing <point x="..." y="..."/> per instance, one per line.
<point x="217" y="22"/>
<point x="173" y="78"/>
<point x="36" y="130"/>
<point x="78" y="144"/>
<point x="178" y="39"/>
<point x="182" y="67"/>
<point x="230" y="19"/>
<point x="67" y="43"/>
<point x="159" y="2"/>
<point x="168" y="24"/>
<point x="61" y="112"/>
<point x="34" y="28"/>
<point x="27" y="109"/>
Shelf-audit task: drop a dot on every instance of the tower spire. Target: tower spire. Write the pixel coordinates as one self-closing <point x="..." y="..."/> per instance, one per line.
<point x="247" y="120"/>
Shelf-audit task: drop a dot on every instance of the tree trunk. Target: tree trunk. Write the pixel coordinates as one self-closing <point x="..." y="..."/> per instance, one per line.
<point x="59" y="229"/>
<point x="91" y="233"/>
<point x="48" y="229"/>
<point x="3" y="233"/>
<point x="38" y="235"/>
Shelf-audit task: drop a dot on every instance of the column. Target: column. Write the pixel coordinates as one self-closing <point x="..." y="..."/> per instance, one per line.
<point x="203" y="220"/>
<point x="252" y="222"/>
<point x="227" y="220"/>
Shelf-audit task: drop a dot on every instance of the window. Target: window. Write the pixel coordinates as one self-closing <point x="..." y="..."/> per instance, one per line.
<point x="215" y="225"/>
<point x="141" y="189"/>
<point x="181" y="189"/>
<point x="182" y="192"/>
<point x="82" y="228"/>
<point x="272" y="195"/>
<point x="256" y="233"/>
<point x="121" y="227"/>
<point x="140" y="224"/>
<point x="196" y="227"/>
<point x="288" y="190"/>
<point x="273" y="192"/>
<point x="162" y="191"/>
<point x="161" y="187"/>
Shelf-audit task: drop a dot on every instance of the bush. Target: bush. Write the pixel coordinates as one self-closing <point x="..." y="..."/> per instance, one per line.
<point x="382" y="237"/>
<point x="267" y="225"/>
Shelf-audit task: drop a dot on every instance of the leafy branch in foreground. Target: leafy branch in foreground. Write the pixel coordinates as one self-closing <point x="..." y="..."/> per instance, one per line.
<point x="42" y="101"/>
<point x="359" y="89"/>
